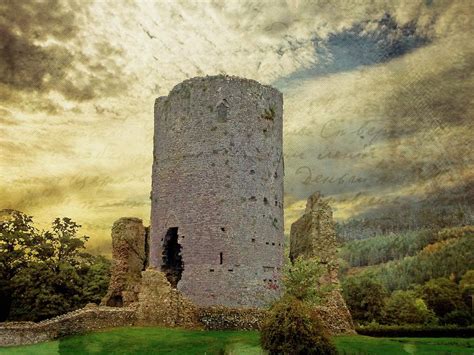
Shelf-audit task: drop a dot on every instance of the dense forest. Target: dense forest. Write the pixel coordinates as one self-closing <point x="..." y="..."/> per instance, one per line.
<point x="412" y="277"/>
<point x="397" y="246"/>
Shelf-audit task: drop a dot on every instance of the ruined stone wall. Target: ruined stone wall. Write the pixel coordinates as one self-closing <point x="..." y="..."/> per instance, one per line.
<point x="161" y="305"/>
<point x="81" y="321"/>
<point x="218" y="178"/>
<point x="128" y="261"/>
<point x="314" y="235"/>
<point x="224" y="318"/>
<point x="158" y="304"/>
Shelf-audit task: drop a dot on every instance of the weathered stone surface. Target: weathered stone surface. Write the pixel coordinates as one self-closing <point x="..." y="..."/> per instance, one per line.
<point x="160" y="304"/>
<point x="216" y="239"/>
<point x="217" y="190"/>
<point x="128" y="253"/>
<point x="81" y="321"/>
<point x="165" y="307"/>
<point x="314" y="235"/>
<point x="224" y="318"/>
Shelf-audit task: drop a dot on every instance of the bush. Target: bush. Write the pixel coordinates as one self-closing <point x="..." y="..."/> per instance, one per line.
<point x="404" y="307"/>
<point x="292" y="327"/>
<point x="301" y="279"/>
<point x="458" y="317"/>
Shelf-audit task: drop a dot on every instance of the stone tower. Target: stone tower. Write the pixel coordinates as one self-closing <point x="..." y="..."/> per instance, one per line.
<point x="217" y="190"/>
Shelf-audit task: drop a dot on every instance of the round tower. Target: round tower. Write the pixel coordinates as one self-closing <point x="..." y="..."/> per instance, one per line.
<point x="217" y="190"/>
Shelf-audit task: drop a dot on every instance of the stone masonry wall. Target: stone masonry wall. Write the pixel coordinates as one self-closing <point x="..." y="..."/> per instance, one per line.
<point x="81" y="321"/>
<point x="128" y="260"/>
<point x="157" y="304"/>
<point x="218" y="178"/>
<point x="160" y="304"/>
<point x="224" y="318"/>
<point x="314" y="235"/>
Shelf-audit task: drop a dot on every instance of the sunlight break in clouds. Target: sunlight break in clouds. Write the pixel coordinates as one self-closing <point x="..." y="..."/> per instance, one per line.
<point x="78" y="81"/>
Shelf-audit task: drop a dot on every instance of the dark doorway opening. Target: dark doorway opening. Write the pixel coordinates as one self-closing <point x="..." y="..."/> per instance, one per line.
<point x="115" y="301"/>
<point x="172" y="264"/>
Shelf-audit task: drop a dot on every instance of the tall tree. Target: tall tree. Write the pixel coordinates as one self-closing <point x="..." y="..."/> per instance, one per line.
<point x="442" y="296"/>
<point x="405" y="307"/>
<point x="365" y="298"/>
<point x="18" y="245"/>
<point x="44" y="274"/>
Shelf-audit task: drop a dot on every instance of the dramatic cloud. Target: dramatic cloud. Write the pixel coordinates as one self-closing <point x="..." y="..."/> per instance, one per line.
<point x="42" y="52"/>
<point x="378" y="108"/>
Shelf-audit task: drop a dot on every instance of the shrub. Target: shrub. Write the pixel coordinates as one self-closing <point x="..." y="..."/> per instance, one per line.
<point x="292" y="327"/>
<point x="302" y="280"/>
<point x="459" y="317"/>
<point x="404" y="307"/>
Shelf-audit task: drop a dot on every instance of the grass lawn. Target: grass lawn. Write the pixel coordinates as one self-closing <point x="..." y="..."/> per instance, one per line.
<point x="179" y="341"/>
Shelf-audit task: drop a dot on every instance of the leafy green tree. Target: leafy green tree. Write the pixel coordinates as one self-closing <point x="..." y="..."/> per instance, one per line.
<point x="43" y="292"/>
<point x="18" y="241"/>
<point x="466" y="285"/>
<point x="405" y="307"/>
<point x="365" y="298"/>
<point x="454" y="256"/>
<point x="95" y="276"/>
<point x="442" y="296"/>
<point x="48" y="273"/>
<point x="63" y="245"/>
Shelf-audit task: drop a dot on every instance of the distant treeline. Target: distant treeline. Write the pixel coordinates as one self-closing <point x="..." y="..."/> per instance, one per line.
<point x="414" y="257"/>
<point x="394" y="246"/>
<point x="398" y="220"/>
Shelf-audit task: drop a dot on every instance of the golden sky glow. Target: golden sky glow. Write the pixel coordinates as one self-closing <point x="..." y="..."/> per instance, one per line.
<point x="378" y="98"/>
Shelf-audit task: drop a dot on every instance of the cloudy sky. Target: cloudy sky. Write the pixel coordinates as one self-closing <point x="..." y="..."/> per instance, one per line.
<point x="378" y="98"/>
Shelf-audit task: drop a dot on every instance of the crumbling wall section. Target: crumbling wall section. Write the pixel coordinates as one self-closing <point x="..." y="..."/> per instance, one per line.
<point x="129" y="259"/>
<point x="162" y="305"/>
<point x="314" y="235"/>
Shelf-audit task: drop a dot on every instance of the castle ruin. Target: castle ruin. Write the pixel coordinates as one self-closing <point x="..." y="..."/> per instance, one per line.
<point x="128" y="261"/>
<point x="313" y="235"/>
<point x="214" y="253"/>
<point x="217" y="190"/>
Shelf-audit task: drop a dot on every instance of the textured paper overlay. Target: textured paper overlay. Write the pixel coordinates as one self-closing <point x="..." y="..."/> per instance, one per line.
<point x="377" y="113"/>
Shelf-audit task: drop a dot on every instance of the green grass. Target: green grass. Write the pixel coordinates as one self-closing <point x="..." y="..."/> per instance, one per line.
<point x="360" y="344"/>
<point x="179" y="341"/>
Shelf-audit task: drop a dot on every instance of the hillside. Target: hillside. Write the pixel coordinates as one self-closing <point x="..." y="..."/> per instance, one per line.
<point x="398" y="261"/>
